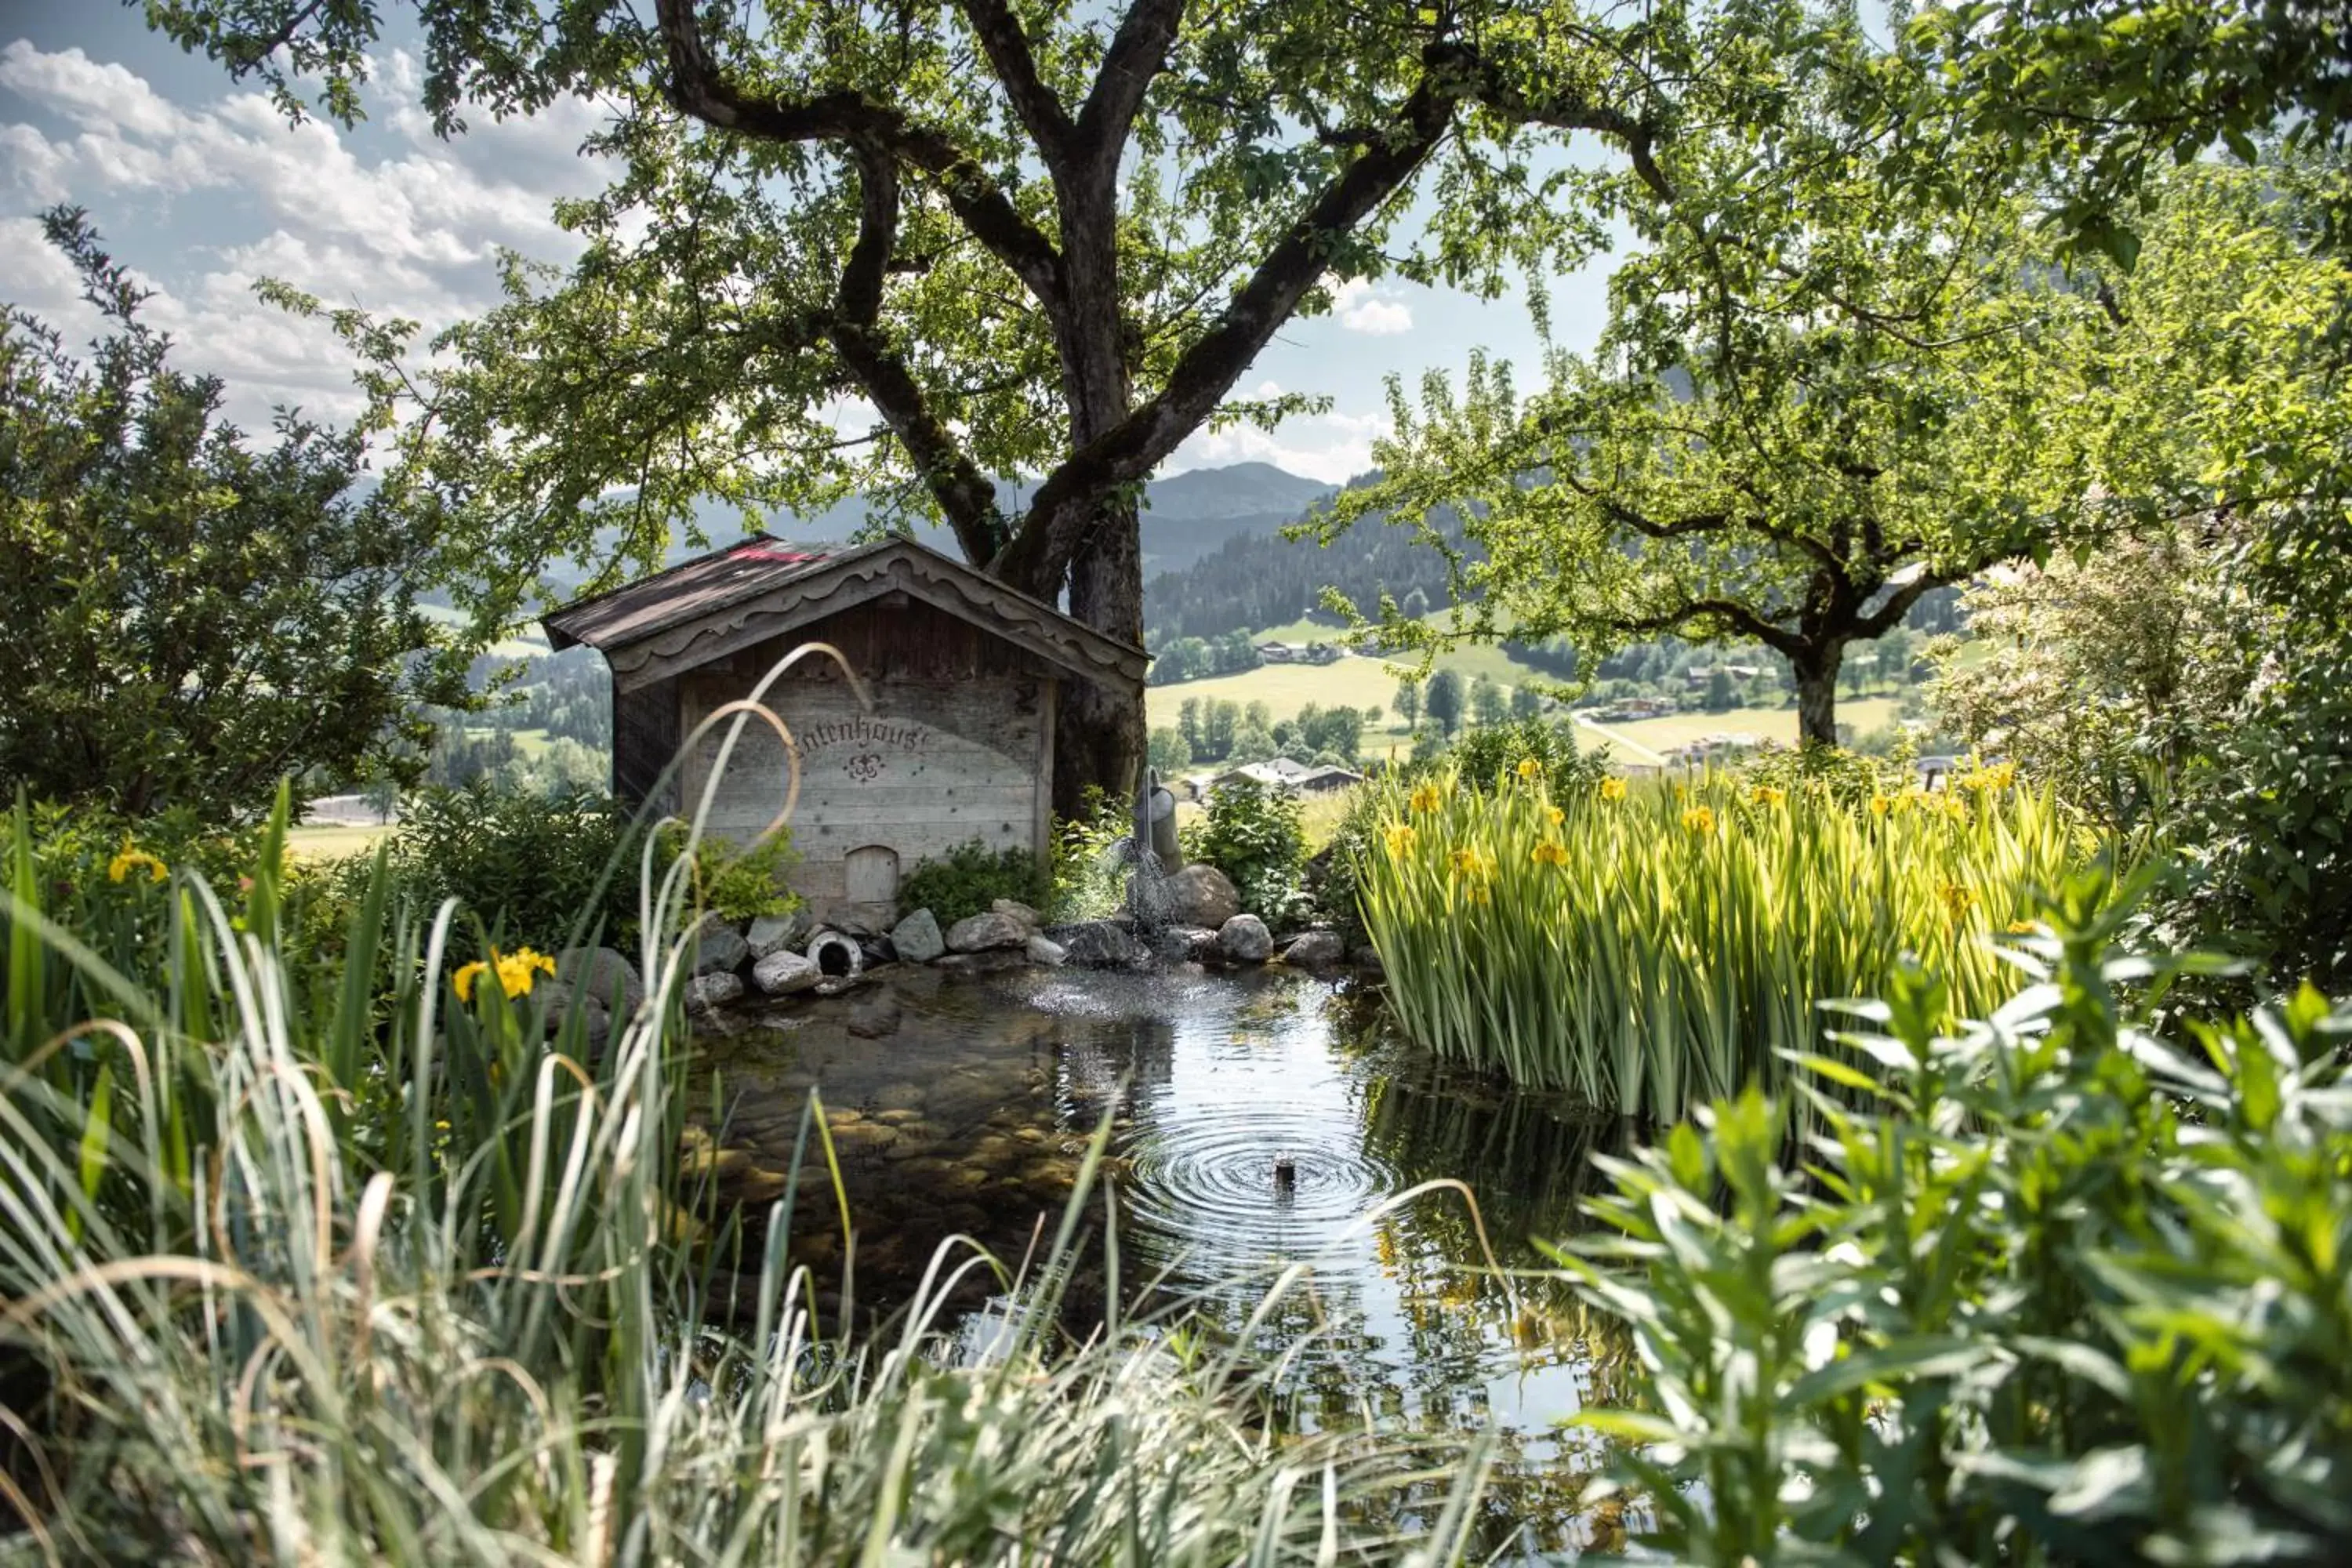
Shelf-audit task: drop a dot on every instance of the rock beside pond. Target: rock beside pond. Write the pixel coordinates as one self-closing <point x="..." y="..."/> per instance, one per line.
<point x="986" y="933"/>
<point x="705" y="991"/>
<point x="1315" y="950"/>
<point x="560" y="1002"/>
<point x="1097" y="944"/>
<point x="1185" y="945"/>
<point x="718" y="947"/>
<point x="785" y="974"/>
<point x="1018" y="910"/>
<point x="1368" y="958"/>
<point x="1244" y="939"/>
<point x="602" y="974"/>
<point x="991" y="961"/>
<point x="775" y="933"/>
<point x="1202" y="896"/>
<point x="917" y="938"/>
<point x="1044" y="949"/>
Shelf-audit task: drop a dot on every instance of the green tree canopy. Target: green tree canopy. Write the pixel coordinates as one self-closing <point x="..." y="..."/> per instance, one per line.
<point x="193" y="614"/>
<point x="1034" y="241"/>
<point x="1816" y="399"/>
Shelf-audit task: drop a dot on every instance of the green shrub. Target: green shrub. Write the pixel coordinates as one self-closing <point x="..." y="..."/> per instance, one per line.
<point x="1089" y="881"/>
<point x="526" y="866"/>
<point x="1491" y="754"/>
<point x="971" y="877"/>
<point x="1254" y="835"/>
<point x="736" y="884"/>
<point x="2074" y="1286"/>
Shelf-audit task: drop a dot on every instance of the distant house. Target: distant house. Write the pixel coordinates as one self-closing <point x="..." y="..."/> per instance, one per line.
<point x="1283" y="773"/>
<point x="1277" y="653"/>
<point x="1321" y="653"/>
<point x="1699" y="675"/>
<point x="966" y="678"/>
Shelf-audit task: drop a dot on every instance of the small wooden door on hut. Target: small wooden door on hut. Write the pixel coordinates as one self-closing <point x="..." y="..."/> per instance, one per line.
<point x="963" y="676"/>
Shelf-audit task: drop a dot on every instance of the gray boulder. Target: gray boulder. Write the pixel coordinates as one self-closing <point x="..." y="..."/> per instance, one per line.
<point x="1315" y="950"/>
<point x="1244" y="939"/>
<point x="785" y="974"/>
<point x="718" y="947"/>
<point x="1018" y="910"/>
<point x="1044" y="949"/>
<point x="1202" y="896"/>
<point x="775" y="933"/>
<point x="604" y="974"/>
<point x="986" y="933"/>
<point x="1185" y="945"/>
<point x="705" y="991"/>
<point x="917" y="938"/>
<point x="1097" y="944"/>
<point x="1367" y="958"/>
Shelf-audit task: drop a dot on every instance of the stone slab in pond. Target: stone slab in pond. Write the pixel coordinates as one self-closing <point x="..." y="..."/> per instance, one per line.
<point x="773" y="933"/>
<point x="705" y="991"/>
<point x="1044" y="949"/>
<point x="1315" y="950"/>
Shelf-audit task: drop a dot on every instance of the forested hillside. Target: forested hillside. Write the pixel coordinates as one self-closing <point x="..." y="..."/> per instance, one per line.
<point x="1255" y="580"/>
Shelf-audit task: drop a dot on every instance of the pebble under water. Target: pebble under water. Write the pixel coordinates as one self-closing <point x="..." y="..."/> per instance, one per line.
<point x="963" y="1105"/>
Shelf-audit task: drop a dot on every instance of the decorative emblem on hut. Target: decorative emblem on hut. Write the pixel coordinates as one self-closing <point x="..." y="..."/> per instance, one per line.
<point x="864" y="767"/>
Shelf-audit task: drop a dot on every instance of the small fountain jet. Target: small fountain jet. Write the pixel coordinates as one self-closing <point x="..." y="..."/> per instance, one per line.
<point x="1286" y="1177"/>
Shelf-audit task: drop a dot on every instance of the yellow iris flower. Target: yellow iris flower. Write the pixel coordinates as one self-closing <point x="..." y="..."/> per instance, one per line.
<point x="1427" y="798"/>
<point x="1549" y="852"/>
<point x="1554" y="816"/>
<point x="127" y="860"/>
<point x="1700" y="820"/>
<point x="516" y="972"/>
<point x="1399" y="837"/>
<point x="1530" y="769"/>
<point x="1765" y="795"/>
<point x="1613" y="789"/>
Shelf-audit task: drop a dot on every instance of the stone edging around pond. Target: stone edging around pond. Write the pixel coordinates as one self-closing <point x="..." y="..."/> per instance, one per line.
<point x="789" y="955"/>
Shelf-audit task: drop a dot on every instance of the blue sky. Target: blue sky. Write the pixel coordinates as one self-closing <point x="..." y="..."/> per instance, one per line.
<point x="202" y="189"/>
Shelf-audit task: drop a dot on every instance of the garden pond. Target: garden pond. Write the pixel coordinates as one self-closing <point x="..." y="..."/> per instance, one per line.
<point x="1258" y="1121"/>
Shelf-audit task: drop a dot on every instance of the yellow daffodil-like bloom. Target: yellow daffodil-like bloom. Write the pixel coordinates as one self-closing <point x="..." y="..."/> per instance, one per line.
<point x="1613" y="789"/>
<point x="1554" y="816"/>
<point x="1765" y="795"/>
<point x="128" y="860"/>
<point x="1475" y="892"/>
<point x="1399" y="837"/>
<point x="1956" y="808"/>
<point x="1681" y="790"/>
<point x="1991" y="780"/>
<point x="1529" y="769"/>
<point x="1700" y="820"/>
<point x="1910" y="800"/>
<point x="1427" y="798"/>
<point x="515" y="972"/>
<point x="1472" y="863"/>
<point x="1879" y="804"/>
<point x="1958" y="900"/>
<point x="1550" y="852"/>
<point x="2021" y="928"/>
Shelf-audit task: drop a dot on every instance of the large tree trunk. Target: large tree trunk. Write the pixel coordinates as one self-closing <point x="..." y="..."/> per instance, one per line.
<point x="1100" y="738"/>
<point x="1817" y="671"/>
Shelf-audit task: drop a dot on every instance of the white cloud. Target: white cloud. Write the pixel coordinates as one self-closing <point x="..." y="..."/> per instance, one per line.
<point x="400" y="224"/>
<point x="1358" y="310"/>
<point x="1333" y="447"/>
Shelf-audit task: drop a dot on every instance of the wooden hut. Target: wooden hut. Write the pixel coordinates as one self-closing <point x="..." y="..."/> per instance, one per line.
<point x="965" y="675"/>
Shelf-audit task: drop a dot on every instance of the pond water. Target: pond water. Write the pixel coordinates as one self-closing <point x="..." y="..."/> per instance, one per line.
<point x="962" y="1104"/>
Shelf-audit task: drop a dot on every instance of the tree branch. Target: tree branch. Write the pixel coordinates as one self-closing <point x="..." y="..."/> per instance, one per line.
<point x="1049" y="534"/>
<point x="1736" y="615"/>
<point x="1639" y="136"/>
<point x="1038" y="107"/>
<point x="1138" y="52"/>
<point x="698" y="89"/>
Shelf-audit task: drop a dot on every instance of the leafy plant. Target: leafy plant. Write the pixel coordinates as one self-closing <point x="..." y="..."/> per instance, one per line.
<point x="737" y="884"/>
<point x="526" y="866"/>
<point x="1089" y="879"/>
<point x="1489" y="755"/>
<point x="971" y="877"/>
<point x="1254" y="835"/>
<point x="1649" y="946"/>
<point x="2061" y="1287"/>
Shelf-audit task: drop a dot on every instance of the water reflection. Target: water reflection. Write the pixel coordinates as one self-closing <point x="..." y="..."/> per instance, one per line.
<point x="964" y="1105"/>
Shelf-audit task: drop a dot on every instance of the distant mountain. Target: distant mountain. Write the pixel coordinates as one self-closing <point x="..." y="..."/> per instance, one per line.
<point x="1186" y="516"/>
<point x="1259" y="579"/>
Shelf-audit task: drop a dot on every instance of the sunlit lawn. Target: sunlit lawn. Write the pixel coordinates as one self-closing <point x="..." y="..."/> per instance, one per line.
<point x="331" y="841"/>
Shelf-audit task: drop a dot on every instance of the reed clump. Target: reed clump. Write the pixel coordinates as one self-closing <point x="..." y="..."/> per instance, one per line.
<point x="1649" y="945"/>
